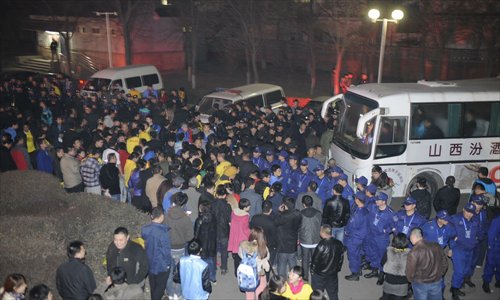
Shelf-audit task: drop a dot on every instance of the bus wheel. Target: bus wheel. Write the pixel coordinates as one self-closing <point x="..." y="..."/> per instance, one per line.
<point x="434" y="182"/>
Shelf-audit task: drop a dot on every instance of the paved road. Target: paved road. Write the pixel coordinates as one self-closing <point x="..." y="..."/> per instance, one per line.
<point x="227" y="287"/>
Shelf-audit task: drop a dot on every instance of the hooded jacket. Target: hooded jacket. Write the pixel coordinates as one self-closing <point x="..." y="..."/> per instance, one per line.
<point x="181" y="228"/>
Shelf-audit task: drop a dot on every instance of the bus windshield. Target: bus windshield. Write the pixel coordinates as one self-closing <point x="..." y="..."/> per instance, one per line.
<point x="351" y="108"/>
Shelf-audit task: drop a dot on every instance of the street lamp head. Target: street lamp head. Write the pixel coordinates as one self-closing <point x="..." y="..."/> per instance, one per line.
<point x="397" y="14"/>
<point x="374" y="14"/>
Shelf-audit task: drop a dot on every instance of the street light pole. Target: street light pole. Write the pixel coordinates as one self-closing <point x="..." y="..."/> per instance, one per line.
<point x="374" y="14"/>
<point x="108" y="33"/>
<point x="382" y="50"/>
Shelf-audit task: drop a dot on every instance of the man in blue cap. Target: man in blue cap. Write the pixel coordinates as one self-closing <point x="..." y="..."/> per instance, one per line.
<point x="438" y="231"/>
<point x="347" y="192"/>
<point x="283" y="162"/>
<point x="370" y="192"/>
<point x="334" y="174"/>
<point x="380" y="224"/>
<point x="361" y="183"/>
<point x="407" y="218"/>
<point x="256" y="159"/>
<point x="492" y="266"/>
<point x="355" y="233"/>
<point x="288" y="176"/>
<point x="479" y="251"/>
<point x="301" y="179"/>
<point x="323" y="190"/>
<point x="270" y="160"/>
<point x="466" y="232"/>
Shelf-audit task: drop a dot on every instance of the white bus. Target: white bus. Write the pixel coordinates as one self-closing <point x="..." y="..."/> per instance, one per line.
<point x="428" y="129"/>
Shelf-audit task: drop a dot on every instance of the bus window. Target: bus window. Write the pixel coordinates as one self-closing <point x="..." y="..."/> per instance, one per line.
<point x="429" y="121"/>
<point x="479" y="119"/>
<point x="392" y="137"/>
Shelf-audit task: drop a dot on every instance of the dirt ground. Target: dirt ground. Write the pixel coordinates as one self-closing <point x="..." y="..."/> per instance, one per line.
<point x="38" y="219"/>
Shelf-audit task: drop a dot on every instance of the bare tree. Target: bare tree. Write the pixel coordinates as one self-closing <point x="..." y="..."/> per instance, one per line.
<point x="126" y="9"/>
<point x="342" y="28"/>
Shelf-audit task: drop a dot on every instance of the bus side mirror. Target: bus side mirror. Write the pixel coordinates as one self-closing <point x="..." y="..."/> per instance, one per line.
<point x="363" y="119"/>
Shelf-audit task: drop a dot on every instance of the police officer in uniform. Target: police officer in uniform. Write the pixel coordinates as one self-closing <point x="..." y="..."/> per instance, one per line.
<point x="479" y="252"/>
<point x="492" y="266"/>
<point x="408" y="218"/>
<point x="466" y="231"/>
<point x="380" y="224"/>
<point x="355" y="233"/>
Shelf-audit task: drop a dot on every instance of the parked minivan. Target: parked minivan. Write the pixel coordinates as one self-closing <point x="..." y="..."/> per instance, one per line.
<point x="125" y="78"/>
<point x="260" y="94"/>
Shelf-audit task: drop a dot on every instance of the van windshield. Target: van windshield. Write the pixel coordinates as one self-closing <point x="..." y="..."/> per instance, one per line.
<point x="208" y="105"/>
<point x="97" y="84"/>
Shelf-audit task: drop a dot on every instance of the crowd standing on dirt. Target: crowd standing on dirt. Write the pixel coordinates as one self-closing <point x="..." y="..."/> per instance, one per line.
<point x="251" y="182"/>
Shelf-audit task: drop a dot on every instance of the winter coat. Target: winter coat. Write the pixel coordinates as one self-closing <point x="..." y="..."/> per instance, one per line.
<point x="70" y="168"/>
<point x="121" y="291"/>
<point x="132" y="259"/>
<point x="287" y="227"/>
<point x="205" y="229"/>
<point x="336" y="212"/>
<point x="181" y="228"/>
<point x="447" y="198"/>
<point x="157" y="242"/>
<point x="310" y="226"/>
<point x="109" y="177"/>
<point x="193" y="275"/>
<point x="222" y="211"/>
<point x="75" y="280"/>
<point x="424" y="206"/>
<point x="328" y="257"/>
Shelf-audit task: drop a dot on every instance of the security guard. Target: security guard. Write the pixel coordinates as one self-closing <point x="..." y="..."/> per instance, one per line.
<point x="493" y="256"/>
<point x="257" y="159"/>
<point x="355" y="233"/>
<point x="438" y="230"/>
<point x="324" y="190"/>
<point x="407" y="218"/>
<point x="479" y="252"/>
<point x="301" y="178"/>
<point x="370" y="192"/>
<point x="380" y="224"/>
<point x="466" y="231"/>
<point x="347" y="192"/>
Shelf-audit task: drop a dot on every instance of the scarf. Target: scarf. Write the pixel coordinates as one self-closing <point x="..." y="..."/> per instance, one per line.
<point x="296" y="289"/>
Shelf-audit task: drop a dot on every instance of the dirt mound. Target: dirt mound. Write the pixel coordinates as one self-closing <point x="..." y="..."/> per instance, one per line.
<point x="38" y="219"/>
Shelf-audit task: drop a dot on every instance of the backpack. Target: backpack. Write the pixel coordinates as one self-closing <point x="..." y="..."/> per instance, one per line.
<point x="248" y="277"/>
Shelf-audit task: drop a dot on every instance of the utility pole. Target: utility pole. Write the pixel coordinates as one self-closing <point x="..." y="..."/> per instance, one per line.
<point x="108" y="32"/>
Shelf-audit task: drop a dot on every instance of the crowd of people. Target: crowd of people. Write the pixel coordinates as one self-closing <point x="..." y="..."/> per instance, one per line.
<point x="250" y="182"/>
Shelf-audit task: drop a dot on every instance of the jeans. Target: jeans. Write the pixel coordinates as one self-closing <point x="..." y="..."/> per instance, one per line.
<point x="338" y="233"/>
<point x="158" y="283"/>
<point x="306" y="261"/>
<point x="96" y="190"/>
<point x="116" y="197"/>
<point x="427" y="291"/>
<point x="222" y="248"/>
<point x="284" y="259"/>
<point x="212" y="269"/>
<point x="172" y="287"/>
<point x="328" y="283"/>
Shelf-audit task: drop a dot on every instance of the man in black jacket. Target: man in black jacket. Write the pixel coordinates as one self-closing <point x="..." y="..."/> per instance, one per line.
<point x="128" y="255"/>
<point x="287" y="227"/>
<point x="326" y="262"/>
<point x="447" y="197"/>
<point x="266" y="222"/>
<point x="336" y="213"/>
<point x="74" y="279"/>
<point x="222" y="212"/>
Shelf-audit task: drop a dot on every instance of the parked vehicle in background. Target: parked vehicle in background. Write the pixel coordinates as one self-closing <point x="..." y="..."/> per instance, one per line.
<point x="136" y="77"/>
<point x="258" y="94"/>
<point x="424" y="129"/>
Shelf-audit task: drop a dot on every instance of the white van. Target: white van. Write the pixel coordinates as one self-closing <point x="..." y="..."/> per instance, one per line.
<point x="260" y="94"/>
<point x="125" y="78"/>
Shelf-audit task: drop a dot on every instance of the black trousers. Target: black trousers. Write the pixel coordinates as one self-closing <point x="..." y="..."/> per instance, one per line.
<point x="237" y="261"/>
<point x="158" y="284"/>
<point x="76" y="189"/>
<point x="328" y="283"/>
